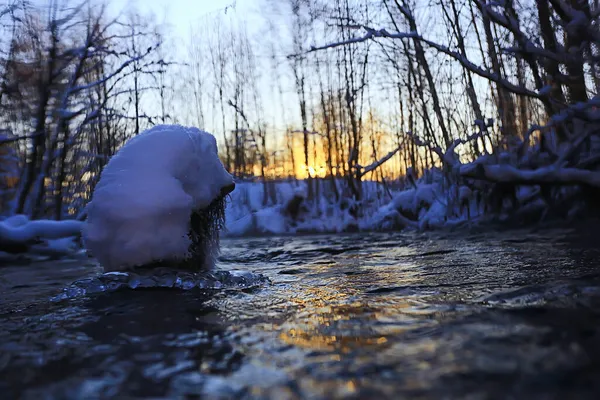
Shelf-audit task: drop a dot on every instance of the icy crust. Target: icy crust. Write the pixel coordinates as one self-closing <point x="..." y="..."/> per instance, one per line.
<point x="141" y="207"/>
<point x="162" y="278"/>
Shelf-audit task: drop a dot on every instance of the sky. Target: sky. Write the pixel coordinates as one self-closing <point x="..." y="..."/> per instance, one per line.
<point x="179" y="17"/>
<point x="181" y="14"/>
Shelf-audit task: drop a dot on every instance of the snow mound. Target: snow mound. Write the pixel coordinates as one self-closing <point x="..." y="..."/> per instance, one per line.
<point x="141" y="207"/>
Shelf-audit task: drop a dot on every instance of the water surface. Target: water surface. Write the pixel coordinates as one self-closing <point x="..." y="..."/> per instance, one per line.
<point x="455" y="315"/>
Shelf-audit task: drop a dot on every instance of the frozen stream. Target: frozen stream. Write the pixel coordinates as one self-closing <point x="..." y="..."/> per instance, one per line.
<point x="511" y="314"/>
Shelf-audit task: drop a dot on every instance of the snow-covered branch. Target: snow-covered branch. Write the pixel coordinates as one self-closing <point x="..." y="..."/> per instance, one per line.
<point x="371" y="34"/>
<point x="510" y="174"/>
<point x="373" y="166"/>
<point x="40" y="229"/>
<point x="18" y="234"/>
<point x="425" y="143"/>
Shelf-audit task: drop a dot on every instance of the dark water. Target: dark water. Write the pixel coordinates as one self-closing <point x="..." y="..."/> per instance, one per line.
<point x="490" y="315"/>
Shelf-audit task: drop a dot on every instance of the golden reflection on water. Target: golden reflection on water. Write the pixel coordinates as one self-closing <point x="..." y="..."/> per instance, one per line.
<point x="336" y="315"/>
<point x="331" y="319"/>
<point x="316" y="341"/>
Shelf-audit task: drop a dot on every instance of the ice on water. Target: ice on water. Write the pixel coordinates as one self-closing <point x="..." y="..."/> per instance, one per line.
<point x="162" y="278"/>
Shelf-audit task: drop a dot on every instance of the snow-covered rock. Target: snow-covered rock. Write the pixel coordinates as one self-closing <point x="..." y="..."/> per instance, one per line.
<point x="141" y="207"/>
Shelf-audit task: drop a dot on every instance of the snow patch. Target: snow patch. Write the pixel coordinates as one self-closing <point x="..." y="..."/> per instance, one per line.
<point x="19" y="229"/>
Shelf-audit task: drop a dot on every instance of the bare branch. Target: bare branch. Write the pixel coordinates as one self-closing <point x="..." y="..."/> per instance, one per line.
<point x="466" y="63"/>
<point x="5" y="140"/>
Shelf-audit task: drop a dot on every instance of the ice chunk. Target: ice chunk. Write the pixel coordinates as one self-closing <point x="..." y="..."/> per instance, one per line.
<point x="141" y="207"/>
<point x="162" y="278"/>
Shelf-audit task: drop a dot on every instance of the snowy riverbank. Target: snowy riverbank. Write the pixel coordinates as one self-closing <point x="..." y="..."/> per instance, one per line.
<point x="428" y="204"/>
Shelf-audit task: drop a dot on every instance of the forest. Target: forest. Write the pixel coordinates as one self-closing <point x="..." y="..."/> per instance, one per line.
<point x="495" y="102"/>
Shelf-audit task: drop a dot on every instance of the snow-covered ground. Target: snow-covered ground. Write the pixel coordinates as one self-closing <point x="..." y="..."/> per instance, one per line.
<point x="429" y="205"/>
<point x="287" y="211"/>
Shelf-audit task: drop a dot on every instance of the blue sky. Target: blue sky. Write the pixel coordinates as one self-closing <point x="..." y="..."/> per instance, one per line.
<point x="181" y="14"/>
<point x="179" y="10"/>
